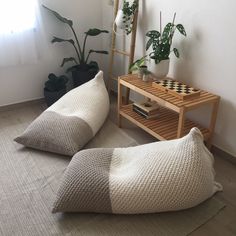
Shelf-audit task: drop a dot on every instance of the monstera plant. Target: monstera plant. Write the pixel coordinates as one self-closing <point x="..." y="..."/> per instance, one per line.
<point x="84" y="69"/>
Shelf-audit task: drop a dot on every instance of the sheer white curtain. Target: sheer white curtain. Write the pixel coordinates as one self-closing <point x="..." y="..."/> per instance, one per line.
<point x="19" y="21"/>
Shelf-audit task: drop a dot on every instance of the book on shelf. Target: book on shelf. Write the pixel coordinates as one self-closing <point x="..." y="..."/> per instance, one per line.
<point x="144" y="114"/>
<point x="148" y="107"/>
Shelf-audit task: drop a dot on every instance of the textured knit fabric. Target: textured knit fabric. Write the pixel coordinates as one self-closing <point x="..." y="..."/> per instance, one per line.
<point x="71" y="122"/>
<point x="161" y="176"/>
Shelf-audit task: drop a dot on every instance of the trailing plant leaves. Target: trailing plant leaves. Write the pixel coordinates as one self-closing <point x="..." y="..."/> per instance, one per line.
<point x="176" y="52"/>
<point x="95" y="32"/>
<point x="98" y="51"/>
<point x="181" y="29"/>
<point x="59" y="17"/>
<point x="68" y="59"/>
<point x="59" y="40"/>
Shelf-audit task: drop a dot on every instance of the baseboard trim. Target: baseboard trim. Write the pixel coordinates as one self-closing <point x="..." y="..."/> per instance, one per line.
<point x="21" y="104"/>
<point x="227" y="156"/>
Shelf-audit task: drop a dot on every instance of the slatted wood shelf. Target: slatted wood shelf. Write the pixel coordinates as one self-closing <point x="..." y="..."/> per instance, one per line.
<point x="164" y="127"/>
<point x="168" y="100"/>
<point x="171" y="123"/>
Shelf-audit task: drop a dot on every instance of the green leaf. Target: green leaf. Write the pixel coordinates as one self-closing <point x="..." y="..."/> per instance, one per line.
<point x="136" y="65"/>
<point x="98" y="51"/>
<point x="52" y="76"/>
<point x="181" y="29"/>
<point x="149" y="43"/>
<point x="95" y="32"/>
<point x="68" y="59"/>
<point x="59" y="17"/>
<point x="166" y="32"/>
<point x="93" y="66"/>
<point x="60" y="40"/>
<point x="153" y="34"/>
<point x="176" y="52"/>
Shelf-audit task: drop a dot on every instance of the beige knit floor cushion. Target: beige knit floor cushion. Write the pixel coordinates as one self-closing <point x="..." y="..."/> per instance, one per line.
<point x="156" y="177"/>
<point x="72" y="121"/>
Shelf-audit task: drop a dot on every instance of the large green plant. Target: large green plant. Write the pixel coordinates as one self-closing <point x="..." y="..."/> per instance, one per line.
<point x="80" y="49"/>
<point x="161" y="42"/>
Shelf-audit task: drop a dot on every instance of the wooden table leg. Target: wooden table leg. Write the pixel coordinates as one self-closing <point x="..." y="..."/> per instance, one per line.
<point x="181" y="123"/>
<point x="213" y="122"/>
<point x="119" y="103"/>
<point x="127" y="96"/>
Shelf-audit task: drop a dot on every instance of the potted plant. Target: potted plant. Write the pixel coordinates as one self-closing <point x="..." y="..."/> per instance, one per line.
<point x="54" y="88"/>
<point x="161" y="43"/>
<point x="125" y="16"/>
<point x="139" y="66"/>
<point x="83" y="70"/>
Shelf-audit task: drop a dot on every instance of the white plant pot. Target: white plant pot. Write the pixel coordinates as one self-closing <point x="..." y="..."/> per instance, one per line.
<point x="161" y="69"/>
<point x="119" y="20"/>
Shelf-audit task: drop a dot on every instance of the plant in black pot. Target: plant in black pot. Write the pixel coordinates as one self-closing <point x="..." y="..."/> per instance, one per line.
<point x="83" y="70"/>
<point x="55" y="88"/>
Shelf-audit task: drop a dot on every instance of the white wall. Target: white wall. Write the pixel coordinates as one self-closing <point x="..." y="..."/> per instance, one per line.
<point x="25" y="82"/>
<point x="207" y="54"/>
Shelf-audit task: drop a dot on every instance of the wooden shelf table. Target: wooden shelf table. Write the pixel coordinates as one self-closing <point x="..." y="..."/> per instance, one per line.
<point x="171" y="122"/>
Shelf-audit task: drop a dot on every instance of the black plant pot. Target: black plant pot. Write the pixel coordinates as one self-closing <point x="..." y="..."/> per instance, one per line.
<point x="52" y="97"/>
<point x="82" y="74"/>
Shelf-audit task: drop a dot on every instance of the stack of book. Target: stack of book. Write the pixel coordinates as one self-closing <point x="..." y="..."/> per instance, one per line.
<point x="148" y="110"/>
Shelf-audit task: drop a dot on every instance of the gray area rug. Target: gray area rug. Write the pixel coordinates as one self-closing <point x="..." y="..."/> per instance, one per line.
<point x="29" y="180"/>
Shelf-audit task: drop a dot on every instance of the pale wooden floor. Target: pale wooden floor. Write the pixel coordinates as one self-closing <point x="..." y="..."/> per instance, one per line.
<point x="223" y="224"/>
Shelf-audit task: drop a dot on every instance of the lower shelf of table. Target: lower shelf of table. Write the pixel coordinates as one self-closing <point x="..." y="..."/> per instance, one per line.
<point x="164" y="127"/>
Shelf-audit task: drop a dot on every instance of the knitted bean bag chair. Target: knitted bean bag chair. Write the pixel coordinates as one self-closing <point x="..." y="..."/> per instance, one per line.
<point x="157" y="177"/>
<point x="67" y="125"/>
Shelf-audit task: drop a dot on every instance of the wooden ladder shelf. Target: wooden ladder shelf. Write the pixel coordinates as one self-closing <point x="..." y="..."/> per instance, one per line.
<point x="115" y="51"/>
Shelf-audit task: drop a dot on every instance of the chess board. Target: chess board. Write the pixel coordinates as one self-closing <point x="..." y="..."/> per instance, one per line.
<point x="177" y="89"/>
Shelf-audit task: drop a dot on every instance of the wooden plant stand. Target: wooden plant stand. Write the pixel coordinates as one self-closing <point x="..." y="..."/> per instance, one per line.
<point x="171" y="123"/>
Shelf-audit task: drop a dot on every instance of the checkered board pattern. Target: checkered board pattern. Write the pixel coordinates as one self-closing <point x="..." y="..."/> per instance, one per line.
<point x="177" y="89"/>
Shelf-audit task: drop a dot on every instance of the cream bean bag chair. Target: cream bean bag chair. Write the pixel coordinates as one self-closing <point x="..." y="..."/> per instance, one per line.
<point x="67" y="125"/>
<point x="157" y="177"/>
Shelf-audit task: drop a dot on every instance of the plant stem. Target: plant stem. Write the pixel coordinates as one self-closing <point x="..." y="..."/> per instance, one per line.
<point x="160" y="23"/>
<point x="86" y="61"/>
<point x="84" y="44"/>
<point x="79" y="53"/>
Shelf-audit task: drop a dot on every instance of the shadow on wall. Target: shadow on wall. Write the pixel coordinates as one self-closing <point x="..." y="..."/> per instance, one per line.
<point x="186" y="67"/>
<point x="142" y="25"/>
<point x="187" y="70"/>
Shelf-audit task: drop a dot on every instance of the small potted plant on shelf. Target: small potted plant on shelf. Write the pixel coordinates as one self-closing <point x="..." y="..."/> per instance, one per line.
<point x="83" y="70"/>
<point x="139" y="66"/>
<point x="54" y="88"/>
<point x="161" y="43"/>
<point x="125" y="16"/>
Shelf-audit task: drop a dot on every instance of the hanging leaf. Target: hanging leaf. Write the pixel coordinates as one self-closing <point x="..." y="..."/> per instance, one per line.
<point x="181" y="29"/>
<point x="95" y="32"/>
<point x="98" y="51"/>
<point x="149" y="43"/>
<point x="176" y="52"/>
<point x="60" y="40"/>
<point x="59" y="17"/>
<point x="68" y="59"/>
